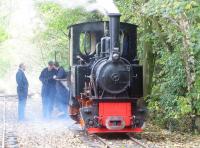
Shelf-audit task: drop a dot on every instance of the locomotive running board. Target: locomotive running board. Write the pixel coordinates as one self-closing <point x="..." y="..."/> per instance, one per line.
<point x="105" y="130"/>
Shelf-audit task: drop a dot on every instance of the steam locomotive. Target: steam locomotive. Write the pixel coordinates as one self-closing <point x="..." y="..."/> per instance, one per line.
<point x="106" y="78"/>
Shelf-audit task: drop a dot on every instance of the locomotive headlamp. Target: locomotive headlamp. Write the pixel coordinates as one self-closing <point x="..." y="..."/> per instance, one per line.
<point x="115" y="54"/>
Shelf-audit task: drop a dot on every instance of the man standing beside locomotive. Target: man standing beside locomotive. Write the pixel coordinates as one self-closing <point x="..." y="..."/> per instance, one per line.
<point x="62" y="94"/>
<point x="48" y="89"/>
<point x="22" y="90"/>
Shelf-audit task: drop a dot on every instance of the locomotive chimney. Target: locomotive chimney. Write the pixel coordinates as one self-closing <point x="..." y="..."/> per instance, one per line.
<point x="114" y="27"/>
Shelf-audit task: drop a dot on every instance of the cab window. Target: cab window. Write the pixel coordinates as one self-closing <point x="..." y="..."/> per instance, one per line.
<point x="87" y="43"/>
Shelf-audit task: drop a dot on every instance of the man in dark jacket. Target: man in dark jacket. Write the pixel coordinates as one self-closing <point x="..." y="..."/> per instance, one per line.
<point x="48" y="89"/>
<point x="22" y="91"/>
<point x="62" y="94"/>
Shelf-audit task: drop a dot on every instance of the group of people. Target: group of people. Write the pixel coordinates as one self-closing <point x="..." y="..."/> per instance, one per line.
<point x="53" y="93"/>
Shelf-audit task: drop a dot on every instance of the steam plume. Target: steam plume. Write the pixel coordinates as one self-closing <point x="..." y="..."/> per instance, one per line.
<point x="104" y="6"/>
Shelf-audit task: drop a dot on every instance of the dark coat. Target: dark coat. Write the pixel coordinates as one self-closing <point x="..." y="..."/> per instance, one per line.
<point x="48" y="83"/>
<point x="62" y="92"/>
<point x="22" y="85"/>
<point x="61" y="74"/>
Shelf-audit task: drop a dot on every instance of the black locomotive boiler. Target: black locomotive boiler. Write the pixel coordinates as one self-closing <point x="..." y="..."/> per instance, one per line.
<point x="106" y="78"/>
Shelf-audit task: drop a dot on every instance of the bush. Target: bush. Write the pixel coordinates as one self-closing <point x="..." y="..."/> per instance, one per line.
<point x="3" y="34"/>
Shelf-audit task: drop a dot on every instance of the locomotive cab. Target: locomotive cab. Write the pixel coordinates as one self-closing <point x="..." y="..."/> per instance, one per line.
<point x="106" y="78"/>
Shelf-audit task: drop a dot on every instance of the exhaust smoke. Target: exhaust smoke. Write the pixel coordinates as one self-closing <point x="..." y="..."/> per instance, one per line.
<point x="103" y="6"/>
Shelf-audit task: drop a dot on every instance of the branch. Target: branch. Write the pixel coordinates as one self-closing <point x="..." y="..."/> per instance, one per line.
<point x="163" y="37"/>
<point x="64" y="33"/>
<point x="173" y="21"/>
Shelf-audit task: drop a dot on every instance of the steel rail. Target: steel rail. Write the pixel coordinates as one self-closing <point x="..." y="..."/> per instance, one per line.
<point x="4" y="124"/>
<point x="94" y="136"/>
<point x="137" y="141"/>
<point x="102" y="141"/>
<point x="4" y="129"/>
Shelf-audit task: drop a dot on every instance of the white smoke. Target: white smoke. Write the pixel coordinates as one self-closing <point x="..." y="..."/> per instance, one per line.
<point x="104" y="6"/>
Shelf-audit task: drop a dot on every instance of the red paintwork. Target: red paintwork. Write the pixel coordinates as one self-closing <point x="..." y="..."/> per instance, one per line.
<point x="105" y="130"/>
<point x="107" y="109"/>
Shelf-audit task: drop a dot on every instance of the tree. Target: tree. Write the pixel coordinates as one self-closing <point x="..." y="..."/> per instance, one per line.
<point x="54" y="39"/>
<point x="168" y="48"/>
<point x="169" y="40"/>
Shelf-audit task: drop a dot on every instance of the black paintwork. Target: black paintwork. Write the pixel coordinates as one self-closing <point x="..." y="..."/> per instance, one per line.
<point x="107" y="79"/>
<point x="84" y="63"/>
<point x="100" y="28"/>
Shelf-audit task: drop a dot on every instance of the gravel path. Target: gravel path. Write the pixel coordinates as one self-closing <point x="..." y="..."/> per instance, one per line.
<point x="46" y="134"/>
<point x="38" y="133"/>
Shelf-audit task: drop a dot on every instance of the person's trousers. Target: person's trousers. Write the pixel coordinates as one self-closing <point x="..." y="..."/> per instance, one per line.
<point x="47" y="106"/>
<point x="61" y="100"/>
<point x="21" y="109"/>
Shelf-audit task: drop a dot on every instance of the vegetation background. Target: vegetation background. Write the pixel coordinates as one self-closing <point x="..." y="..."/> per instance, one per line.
<point x="168" y="48"/>
<point x="4" y="60"/>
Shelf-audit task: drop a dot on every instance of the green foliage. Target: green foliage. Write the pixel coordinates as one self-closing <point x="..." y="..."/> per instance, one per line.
<point x="54" y="39"/>
<point x="4" y="60"/>
<point x="3" y="34"/>
<point x="4" y="64"/>
<point x="160" y="25"/>
<point x="170" y="98"/>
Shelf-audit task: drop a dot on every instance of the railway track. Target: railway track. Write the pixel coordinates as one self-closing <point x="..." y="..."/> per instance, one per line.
<point x="9" y="138"/>
<point x="103" y="141"/>
<point x="109" y="140"/>
<point x="106" y="143"/>
<point x="137" y="141"/>
<point x="91" y="141"/>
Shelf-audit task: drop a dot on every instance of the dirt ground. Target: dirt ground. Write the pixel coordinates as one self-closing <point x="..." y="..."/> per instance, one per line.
<point x="165" y="139"/>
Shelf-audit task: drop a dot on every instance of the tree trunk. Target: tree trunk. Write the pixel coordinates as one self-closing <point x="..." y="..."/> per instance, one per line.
<point x="162" y="36"/>
<point x="149" y="59"/>
<point x="188" y="60"/>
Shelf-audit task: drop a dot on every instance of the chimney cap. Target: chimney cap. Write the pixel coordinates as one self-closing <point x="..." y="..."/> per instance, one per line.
<point x="114" y="14"/>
